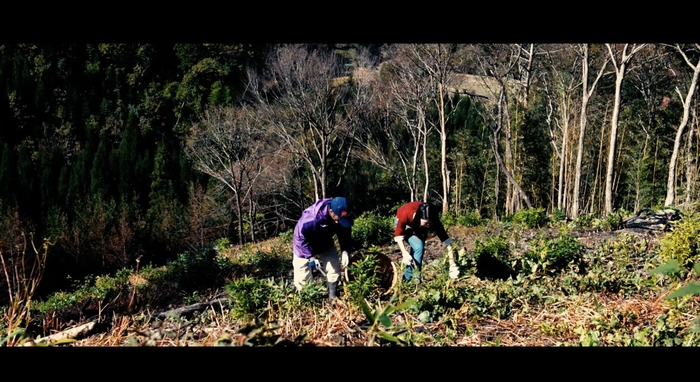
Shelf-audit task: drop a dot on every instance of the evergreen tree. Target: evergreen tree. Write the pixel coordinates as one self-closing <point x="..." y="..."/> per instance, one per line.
<point x="164" y="215"/>
<point x="99" y="172"/>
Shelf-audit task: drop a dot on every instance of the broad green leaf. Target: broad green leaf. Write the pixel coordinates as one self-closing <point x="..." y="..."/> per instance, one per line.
<point x="671" y="266"/>
<point x="388" y="337"/>
<point x="424" y="317"/>
<point x="366" y="310"/>
<point x="385" y="320"/>
<point x="696" y="268"/>
<point x="406" y="304"/>
<point x="690" y="289"/>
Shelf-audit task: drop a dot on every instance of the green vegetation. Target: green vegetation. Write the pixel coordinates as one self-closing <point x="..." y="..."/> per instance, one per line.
<point x="136" y="177"/>
<point x="607" y="291"/>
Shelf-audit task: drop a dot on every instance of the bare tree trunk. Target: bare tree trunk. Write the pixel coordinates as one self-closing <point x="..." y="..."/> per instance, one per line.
<point x="529" y="53"/>
<point x="251" y="213"/>
<point x="586" y="94"/>
<point x="620" y="70"/>
<point x="443" y="152"/>
<point x="670" y="183"/>
<point x="494" y="144"/>
<point x="512" y="194"/>
<point x="598" y="173"/>
<point x="638" y="179"/>
<point x="691" y="169"/>
<point x="425" y="161"/>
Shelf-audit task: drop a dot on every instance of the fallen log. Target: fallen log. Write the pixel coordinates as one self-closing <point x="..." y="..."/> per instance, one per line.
<point x="190" y="309"/>
<point x="75" y="333"/>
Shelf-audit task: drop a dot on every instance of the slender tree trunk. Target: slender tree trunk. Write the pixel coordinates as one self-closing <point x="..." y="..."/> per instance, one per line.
<point x="670" y="183"/>
<point x="562" y="161"/>
<point x="586" y="94"/>
<point x="691" y="169"/>
<point x="443" y="152"/>
<point x="638" y="178"/>
<point x="239" y="218"/>
<point x="425" y="161"/>
<point x="619" y="76"/>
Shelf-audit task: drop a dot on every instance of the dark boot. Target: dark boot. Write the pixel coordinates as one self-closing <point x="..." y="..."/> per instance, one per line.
<point x="332" y="289"/>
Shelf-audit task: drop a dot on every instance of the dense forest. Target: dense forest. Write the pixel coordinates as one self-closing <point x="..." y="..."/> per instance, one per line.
<point x="119" y="153"/>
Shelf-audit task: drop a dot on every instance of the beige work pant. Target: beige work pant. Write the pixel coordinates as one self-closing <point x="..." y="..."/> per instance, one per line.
<point x="330" y="264"/>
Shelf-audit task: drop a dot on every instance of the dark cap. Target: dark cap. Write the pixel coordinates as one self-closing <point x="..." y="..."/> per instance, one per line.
<point x="339" y="205"/>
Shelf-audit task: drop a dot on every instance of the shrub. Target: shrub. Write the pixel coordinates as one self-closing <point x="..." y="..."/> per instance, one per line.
<point x="552" y="255"/>
<point x="365" y="281"/>
<point x="531" y="217"/>
<point x="261" y="264"/>
<point x="248" y="296"/>
<point x="370" y="229"/>
<point x="612" y="222"/>
<point x="470" y="219"/>
<point x="584" y="221"/>
<point x="491" y="258"/>
<point x="681" y="244"/>
<point x="558" y="216"/>
<point x="192" y="271"/>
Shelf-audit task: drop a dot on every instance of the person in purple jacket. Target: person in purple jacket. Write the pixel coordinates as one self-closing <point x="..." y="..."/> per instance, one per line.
<point x="313" y="244"/>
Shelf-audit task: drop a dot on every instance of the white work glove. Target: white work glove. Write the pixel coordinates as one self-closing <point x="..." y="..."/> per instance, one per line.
<point x="454" y="269"/>
<point x="406" y="258"/>
<point x="344" y="259"/>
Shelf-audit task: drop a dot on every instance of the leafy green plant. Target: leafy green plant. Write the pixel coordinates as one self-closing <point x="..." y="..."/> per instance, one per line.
<point x="584" y="221"/>
<point x="222" y="244"/>
<point x="248" y="296"/>
<point x="470" y="219"/>
<point x="611" y="222"/>
<point x="192" y="271"/>
<point x="312" y="294"/>
<point x="365" y="281"/>
<point x="682" y="243"/>
<point x="673" y="267"/>
<point x="371" y="229"/>
<point x="380" y="324"/>
<point x="287" y="236"/>
<point x="558" y="216"/>
<point x="491" y="258"/>
<point x="531" y="217"/>
<point x="260" y="264"/>
<point x="552" y="255"/>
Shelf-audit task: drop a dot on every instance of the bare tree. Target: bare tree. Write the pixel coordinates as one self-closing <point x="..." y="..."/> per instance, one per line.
<point x="586" y="94"/>
<point x="621" y="65"/>
<point x="304" y="101"/>
<point x="670" y="183"/>
<point x="407" y="97"/>
<point x="563" y="68"/>
<point x="440" y="61"/>
<point x="497" y="63"/>
<point x="230" y="145"/>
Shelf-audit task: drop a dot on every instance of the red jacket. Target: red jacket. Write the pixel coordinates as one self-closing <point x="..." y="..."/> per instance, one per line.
<point x="409" y="223"/>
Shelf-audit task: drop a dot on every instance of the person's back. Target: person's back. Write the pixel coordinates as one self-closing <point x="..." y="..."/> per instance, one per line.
<point x="315" y="229"/>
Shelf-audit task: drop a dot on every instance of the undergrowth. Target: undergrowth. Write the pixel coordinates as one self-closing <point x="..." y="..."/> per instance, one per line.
<point x="544" y="289"/>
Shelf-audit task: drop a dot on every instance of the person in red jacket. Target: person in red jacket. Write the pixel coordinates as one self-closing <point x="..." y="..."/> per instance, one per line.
<point x="413" y="222"/>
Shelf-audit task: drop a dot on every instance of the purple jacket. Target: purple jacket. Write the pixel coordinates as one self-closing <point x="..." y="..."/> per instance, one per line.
<point x="314" y="231"/>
